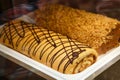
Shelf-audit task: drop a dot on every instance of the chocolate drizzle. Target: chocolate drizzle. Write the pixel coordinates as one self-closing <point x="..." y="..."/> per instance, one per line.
<point x="31" y="28"/>
<point x="36" y="40"/>
<point x="22" y="33"/>
<point x="9" y="35"/>
<point x="64" y="49"/>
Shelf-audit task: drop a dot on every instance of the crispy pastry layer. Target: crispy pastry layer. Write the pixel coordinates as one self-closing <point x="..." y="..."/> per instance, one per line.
<point x="98" y="31"/>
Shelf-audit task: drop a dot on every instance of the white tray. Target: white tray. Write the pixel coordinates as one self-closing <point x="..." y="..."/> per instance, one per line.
<point x="91" y="72"/>
<point x="104" y="61"/>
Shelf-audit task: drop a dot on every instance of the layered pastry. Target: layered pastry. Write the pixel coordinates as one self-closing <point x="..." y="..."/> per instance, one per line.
<point x="98" y="31"/>
<point x="47" y="47"/>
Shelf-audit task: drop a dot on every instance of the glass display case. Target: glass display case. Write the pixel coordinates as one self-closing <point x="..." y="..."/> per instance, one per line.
<point x="19" y="67"/>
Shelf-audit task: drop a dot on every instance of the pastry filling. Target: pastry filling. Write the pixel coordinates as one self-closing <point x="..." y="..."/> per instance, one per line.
<point x="84" y="63"/>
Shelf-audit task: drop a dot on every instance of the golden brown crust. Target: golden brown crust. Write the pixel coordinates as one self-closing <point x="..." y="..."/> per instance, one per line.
<point x="99" y="31"/>
<point x="52" y="49"/>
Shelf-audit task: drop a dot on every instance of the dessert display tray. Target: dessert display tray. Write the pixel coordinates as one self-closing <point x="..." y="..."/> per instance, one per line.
<point x="104" y="61"/>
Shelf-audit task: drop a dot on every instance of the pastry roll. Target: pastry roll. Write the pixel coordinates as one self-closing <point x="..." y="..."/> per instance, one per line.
<point x="98" y="31"/>
<point x="47" y="47"/>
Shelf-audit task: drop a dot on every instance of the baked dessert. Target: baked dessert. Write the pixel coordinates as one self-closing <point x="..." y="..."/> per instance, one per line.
<point x="98" y="31"/>
<point x="47" y="47"/>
